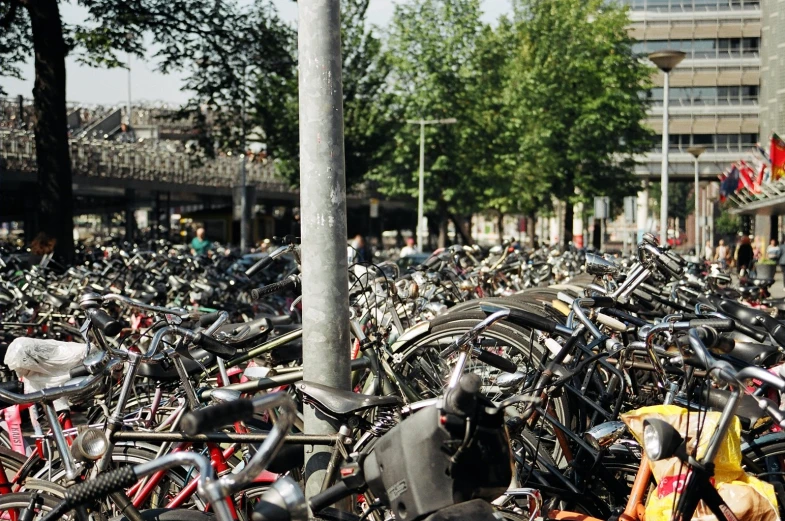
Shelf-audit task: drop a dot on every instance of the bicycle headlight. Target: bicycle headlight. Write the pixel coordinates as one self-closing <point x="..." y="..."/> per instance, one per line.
<point x="89" y="445"/>
<point x="605" y="434"/>
<point x="660" y="439"/>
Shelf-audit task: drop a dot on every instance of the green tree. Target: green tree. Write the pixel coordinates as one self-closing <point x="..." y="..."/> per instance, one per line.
<point x="681" y="201"/>
<point x="727" y="223"/>
<point x="576" y="83"/>
<point x="432" y="47"/>
<point x="370" y="117"/>
<point x="184" y="32"/>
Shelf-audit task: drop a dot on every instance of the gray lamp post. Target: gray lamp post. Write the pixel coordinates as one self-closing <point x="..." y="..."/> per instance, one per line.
<point x="422" y="233"/>
<point x="696" y="151"/>
<point x="666" y="61"/>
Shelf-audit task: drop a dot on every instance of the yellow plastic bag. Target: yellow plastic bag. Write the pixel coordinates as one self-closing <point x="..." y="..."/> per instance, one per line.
<point x="747" y="496"/>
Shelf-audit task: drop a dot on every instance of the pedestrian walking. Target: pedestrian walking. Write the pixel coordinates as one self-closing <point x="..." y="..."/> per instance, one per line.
<point x="781" y="262"/>
<point x="744" y="256"/>
<point x="409" y="249"/>
<point x="708" y="252"/>
<point x="773" y="251"/>
<point x="199" y="244"/>
<point x="357" y="251"/>
<point x="723" y="255"/>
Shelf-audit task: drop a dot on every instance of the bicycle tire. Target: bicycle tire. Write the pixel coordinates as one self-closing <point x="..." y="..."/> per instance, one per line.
<point x="419" y="360"/>
<point x="132" y="455"/>
<point x="12" y="462"/>
<point x="169" y="514"/>
<point x="765" y="458"/>
<point x="20" y="500"/>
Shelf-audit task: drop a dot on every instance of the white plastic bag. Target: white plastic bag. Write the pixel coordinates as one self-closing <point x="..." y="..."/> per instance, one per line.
<point x="44" y="363"/>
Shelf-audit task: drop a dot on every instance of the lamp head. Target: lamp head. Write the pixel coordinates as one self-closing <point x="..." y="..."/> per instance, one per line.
<point x="667" y="60"/>
<point x="696" y="151"/>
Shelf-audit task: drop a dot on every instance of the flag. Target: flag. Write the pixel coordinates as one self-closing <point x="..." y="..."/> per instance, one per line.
<point x="747" y="177"/>
<point x="753" y="175"/>
<point x="777" y="157"/>
<point x="730" y="184"/>
<point x="760" y="150"/>
<point x="722" y="177"/>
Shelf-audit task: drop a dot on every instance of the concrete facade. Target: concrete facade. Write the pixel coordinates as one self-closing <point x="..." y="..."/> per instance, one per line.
<point x="772" y="95"/>
<point x="715" y="91"/>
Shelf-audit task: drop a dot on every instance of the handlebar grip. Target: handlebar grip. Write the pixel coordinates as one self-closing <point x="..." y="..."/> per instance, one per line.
<point x="269" y="289"/>
<point x="329" y="497"/>
<point x="672" y="266"/>
<point x="78" y="371"/>
<point x="214" y="346"/>
<point x="209" y="318"/>
<point x="100" y="487"/>
<point x="209" y="418"/>
<point x="626" y="317"/>
<point x="532" y="320"/>
<point x="760" y="336"/>
<point x="720" y="324"/>
<point x="260" y="265"/>
<point x="611" y="322"/>
<point x="598" y="302"/>
<point x="104" y="322"/>
<point x="494" y="360"/>
<point x="461" y="398"/>
<point x="643" y="295"/>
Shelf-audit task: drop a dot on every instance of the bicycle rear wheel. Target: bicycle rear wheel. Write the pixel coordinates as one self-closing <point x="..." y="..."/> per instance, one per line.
<point x="420" y="365"/>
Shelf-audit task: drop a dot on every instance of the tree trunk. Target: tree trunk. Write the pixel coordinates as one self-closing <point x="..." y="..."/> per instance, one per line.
<point x="500" y="226"/>
<point x="442" y="229"/>
<point x="597" y="235"/>
<point x="460" y="227"/>
<point x="569" y="215"/>
<point x="467" y="230"/>
<point x="55" y="217"/>
<point x="531" y="229"/>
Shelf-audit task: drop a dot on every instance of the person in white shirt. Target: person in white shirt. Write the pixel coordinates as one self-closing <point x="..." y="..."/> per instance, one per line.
<point x="409" y="249"/>
<point x="708" y="251"/>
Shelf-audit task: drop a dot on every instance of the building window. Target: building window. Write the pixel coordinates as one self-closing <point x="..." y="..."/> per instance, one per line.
<point x="712" y="142"/>
<point x="698" y="49"/>
<point x="691" y="5"/>
<point x="692" y="96"/>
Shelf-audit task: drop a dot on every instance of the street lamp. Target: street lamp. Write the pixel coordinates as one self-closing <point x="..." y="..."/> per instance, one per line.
<point x="696" y="151"/>
<point x="422" y="233"/>
<point x="245" y="224"/>
<point x="666" y="61"/>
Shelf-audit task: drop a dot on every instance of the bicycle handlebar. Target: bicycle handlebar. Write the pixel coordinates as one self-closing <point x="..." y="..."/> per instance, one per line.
<point x="180" y="312"/>
<point x="54" y="393"/>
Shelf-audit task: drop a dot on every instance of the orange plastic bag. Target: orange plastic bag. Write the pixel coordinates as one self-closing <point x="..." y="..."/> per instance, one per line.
<point x="747" y="496"/>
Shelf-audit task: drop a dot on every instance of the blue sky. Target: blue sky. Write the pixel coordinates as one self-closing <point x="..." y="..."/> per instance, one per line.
<point x="85" y="84"/>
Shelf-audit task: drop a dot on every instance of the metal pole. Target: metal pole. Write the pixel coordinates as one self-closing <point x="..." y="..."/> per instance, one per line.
<point x="643" y="211"/>
<point x="130" y="218"/>
<point x="664" y="173"/>
<point x="325" y="277"/>
<point x="697" y="211"/>
<point x="602" y="235"/>
<point x="128" y="122"/>
<point x="244" y="224"/>
<point x="421" y="233"/>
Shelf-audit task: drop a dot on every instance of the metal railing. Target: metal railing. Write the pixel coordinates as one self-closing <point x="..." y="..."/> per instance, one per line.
<point x="163" y="162"/>
<point x="158" y="114"/>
